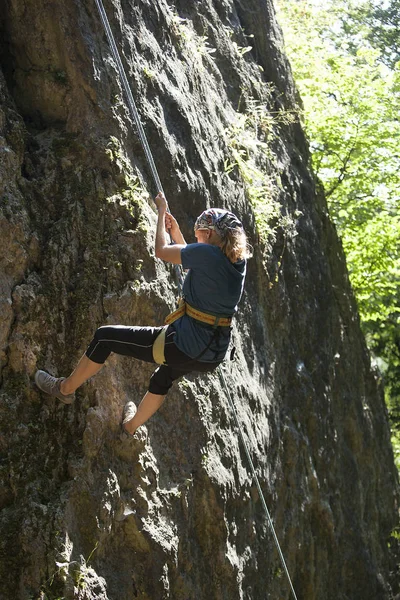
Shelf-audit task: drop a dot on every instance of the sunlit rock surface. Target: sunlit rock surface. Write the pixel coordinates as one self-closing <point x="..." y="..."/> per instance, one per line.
<point x="84" y="512"/>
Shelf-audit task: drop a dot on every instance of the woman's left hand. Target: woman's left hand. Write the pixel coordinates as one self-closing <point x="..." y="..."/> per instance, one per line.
<point x="161" y="202"/>
<point x="171" y="225"/>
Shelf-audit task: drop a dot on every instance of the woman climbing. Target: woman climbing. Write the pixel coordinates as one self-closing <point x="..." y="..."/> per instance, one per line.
<point x="198" y="335"/>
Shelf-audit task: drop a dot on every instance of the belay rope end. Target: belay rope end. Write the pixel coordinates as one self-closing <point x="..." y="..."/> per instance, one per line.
<point x="256" y="480"/>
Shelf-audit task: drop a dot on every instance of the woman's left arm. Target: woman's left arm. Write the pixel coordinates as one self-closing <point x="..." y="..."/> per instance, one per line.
<point x="163" y="250"/>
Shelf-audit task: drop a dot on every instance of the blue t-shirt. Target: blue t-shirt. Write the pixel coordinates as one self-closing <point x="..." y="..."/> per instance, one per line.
<point x="213" y="284"/>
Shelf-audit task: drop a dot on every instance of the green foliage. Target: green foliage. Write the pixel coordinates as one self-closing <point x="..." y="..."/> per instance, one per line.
<point x="350" y="85"/>
<point x="395" y="534"/>
<point x="132" y="193"/>
<point x="196" y="45"/>
<point x="249" y="139"/>
<point x="242" y="50"/>
<point x="149" y="73"/>
<point x="396" y="448"/>
<point x="78" y="570"/>
<point x="378" y="23"/>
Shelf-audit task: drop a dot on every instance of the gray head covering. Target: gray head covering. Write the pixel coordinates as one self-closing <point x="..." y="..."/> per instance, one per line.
<point x="219" y="220"/>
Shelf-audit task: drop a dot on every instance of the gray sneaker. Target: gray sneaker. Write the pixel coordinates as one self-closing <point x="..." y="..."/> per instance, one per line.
<point x="130" y="411"/>
<point x="51" y="385"/>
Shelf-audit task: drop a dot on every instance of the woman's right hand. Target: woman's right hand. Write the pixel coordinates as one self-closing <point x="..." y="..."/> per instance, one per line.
<point x="161" y="202"/>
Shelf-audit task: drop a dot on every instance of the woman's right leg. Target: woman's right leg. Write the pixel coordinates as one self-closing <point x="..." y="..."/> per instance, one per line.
<point x="129" y="341"/>
<point x="84" y="370"/>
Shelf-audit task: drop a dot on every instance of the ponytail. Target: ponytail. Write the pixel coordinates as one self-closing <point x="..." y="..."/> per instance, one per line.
<point x="235" y="245"/>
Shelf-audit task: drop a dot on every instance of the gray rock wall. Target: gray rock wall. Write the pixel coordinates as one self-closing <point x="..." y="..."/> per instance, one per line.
<point x="85" y="513"/>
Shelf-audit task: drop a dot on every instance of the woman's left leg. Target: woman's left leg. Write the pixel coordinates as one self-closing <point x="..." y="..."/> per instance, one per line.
<point x="146" y="409"/>
<point x="161" y="381"/>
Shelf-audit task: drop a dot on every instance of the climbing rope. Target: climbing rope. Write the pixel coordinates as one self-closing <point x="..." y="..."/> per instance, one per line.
<point x="255" y="477"/>
<point x="135" y="115"/>
<point x="150" y="160"/>
<point x="129" y="96"/>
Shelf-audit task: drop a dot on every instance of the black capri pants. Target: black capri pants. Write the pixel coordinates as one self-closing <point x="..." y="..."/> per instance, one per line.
<point x="138" y="343"/>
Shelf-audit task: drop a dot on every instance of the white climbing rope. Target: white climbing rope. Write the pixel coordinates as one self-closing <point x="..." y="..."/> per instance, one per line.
<point x="135" y="115"/>
<point x="256" y="480"/>
<point x="150" y="160"/>
<point x="129" y="96"/>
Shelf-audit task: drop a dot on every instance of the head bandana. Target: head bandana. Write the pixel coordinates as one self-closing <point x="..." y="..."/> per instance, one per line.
<point x="219" y="220"/>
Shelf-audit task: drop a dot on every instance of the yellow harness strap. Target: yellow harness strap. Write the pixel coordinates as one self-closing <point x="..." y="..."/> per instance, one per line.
<point x="158" y="347"/>
<point x="185" y="309"/>
<point x="176" y="314"/>
<point x="195" y="313"/>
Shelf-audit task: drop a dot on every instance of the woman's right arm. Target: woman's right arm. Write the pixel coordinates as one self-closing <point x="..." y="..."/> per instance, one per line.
<point x="164" y="250"/>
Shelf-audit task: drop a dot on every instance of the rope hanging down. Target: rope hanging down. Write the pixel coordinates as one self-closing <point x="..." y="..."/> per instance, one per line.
<point x="135" y="115"/>
<point x="255" y="477"/>
<point x="150" y="160"/>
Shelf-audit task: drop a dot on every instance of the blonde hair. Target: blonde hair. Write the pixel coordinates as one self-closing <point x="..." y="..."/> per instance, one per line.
<point x="235" y="246"/>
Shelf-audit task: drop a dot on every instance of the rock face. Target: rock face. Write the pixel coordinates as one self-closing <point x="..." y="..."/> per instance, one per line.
<point x="85" y="513"/>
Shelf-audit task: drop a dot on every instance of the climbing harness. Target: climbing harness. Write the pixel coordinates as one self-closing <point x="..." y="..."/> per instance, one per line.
<point x="185" y="308"/>
<point x="204" y="317"/>
<point x="158" y="347"/>
<point x="161" y="344"/>
<point x="135" y="115"/>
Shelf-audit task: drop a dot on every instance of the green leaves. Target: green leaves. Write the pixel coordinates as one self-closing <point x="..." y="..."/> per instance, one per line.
<point x="248" y="138"/>
<point x="349" y="81"/>
<point x="378" y="23"/>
